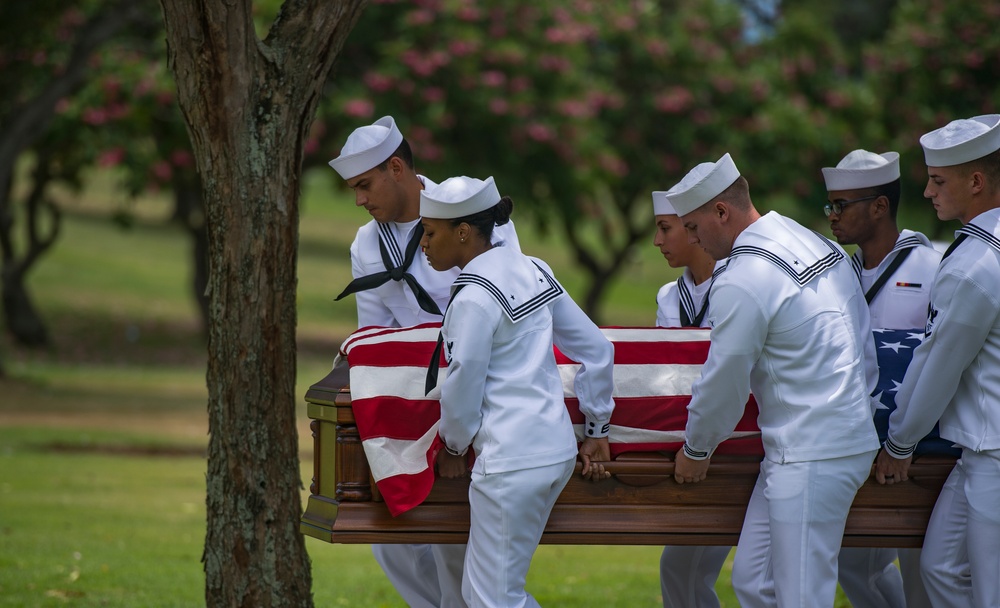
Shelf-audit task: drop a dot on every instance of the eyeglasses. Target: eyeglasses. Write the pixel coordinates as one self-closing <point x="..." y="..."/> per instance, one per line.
<point x="838" y="205"/>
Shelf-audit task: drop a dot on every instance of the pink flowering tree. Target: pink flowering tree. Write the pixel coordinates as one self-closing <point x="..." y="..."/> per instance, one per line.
<point x="89" y="88"/>
<point x="579" y="109"/>
<point x="47" y="50"/>
<point x="940" y="61"/>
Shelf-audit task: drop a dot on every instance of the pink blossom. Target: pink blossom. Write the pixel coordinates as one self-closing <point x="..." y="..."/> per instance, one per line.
<point x="519" y="84"/>
<point x="674" y="100"/>
<point x="670" y="163"/>
<point x="378" y="83"/>
<point x="359" y="108"/>
<point x="420" y="17"/>
<point x="576" y="108"/>
<point x="836" y="99"/>
<point x="724" y="84"/>
<point x="63" y="106"/>
<point x="625" y="23"/>
<point x="468" y="13"/>
<point x="311" y="146"/>
<point x="539" y="132"/>
<point x="112" y="86"/>
<point x="74" y="17"/>
<point x="162" y="170"/>
<point x="493" y="78"/>
<point x="431" y="152"/>
<point x="974" y="59"/>
<point x="760" y="90"/>
<point x="421" y="66"/>
<point x="461" y="48"/>
<point x="553" y="63"/>
<point x="613" y="164"/>
<point x="433" y="94"/>
<point x="95" y="116"/>
<point x="111" y="158"/>
<point x="117" y="111"/>
<point x="418" y="134"/>
<point x="657" y="48"/>
<point x="182" y="159"/>
<point x="499" y="106"/>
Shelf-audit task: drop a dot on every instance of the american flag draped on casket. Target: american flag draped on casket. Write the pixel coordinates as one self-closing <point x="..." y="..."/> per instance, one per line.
<point x="654" y="370"/>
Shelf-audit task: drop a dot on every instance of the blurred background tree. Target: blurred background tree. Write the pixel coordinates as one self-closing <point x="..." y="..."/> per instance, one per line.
<point x="579" y="108"/>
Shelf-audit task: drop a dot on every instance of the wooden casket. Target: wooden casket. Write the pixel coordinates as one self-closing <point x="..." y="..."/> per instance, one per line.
<point x="640" y="505"/>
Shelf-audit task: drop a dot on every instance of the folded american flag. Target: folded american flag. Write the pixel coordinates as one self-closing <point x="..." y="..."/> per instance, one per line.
<point x="654" y="370"/>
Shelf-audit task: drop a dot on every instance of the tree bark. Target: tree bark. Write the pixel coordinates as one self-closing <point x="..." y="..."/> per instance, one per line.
<point x="248" y="105"/>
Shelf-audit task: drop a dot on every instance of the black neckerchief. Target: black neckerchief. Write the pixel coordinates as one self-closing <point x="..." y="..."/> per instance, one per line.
<point x="396" y="273"/>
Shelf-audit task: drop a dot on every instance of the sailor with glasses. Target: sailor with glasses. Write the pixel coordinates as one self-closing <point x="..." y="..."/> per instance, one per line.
<point x="896" y="269"/>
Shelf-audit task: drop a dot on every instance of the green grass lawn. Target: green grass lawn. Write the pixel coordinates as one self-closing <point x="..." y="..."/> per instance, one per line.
<point x="102" y="437"/>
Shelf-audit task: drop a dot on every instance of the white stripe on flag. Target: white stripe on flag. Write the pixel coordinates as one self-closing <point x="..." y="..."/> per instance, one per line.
<point x="628" y="434"/>
<point x="371" y="336"/>
<point x="404" y="382"/>
<point x="642" y="380"/>
<point x="389" y="457"/>
<point x="647" y="334"/>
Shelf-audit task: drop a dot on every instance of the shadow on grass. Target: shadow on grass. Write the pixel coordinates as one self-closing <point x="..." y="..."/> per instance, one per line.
<point x="106" y="339"/>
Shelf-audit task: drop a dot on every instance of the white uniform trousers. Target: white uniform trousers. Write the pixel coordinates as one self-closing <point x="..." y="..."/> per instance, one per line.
<point x="913" y="582"/>
<point x="870" y="578"/>
<point x="688" y="575"/>
<point x="426" y="576"/>
<point x="787" y="554"/>
<point x="960" y="561"/>
<point x="509" y="512"/>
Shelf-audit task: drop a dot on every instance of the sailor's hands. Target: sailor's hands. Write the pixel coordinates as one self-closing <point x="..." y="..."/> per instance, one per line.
<point x="689" y="471"/>
<point x="450" y="466"/>
<point x="594" y="451"/>
<point x="889" y="470"/>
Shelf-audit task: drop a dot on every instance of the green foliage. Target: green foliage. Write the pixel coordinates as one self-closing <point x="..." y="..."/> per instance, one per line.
<point x="940" y="61"/>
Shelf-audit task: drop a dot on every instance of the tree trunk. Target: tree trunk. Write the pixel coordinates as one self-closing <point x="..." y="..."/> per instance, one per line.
<point x="42" y="224"/>
<point x="248" y="105"/>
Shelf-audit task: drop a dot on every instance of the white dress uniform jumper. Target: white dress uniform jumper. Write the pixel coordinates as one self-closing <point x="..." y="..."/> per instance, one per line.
<point x="789" y="321"/>
<point x="955" y="376"/>
<point x="502" y="396"/>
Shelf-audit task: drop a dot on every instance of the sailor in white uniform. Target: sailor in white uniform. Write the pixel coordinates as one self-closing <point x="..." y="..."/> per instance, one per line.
<point x="955" y="372"/>
<point x="502" y="395"/>
<point x="687" y="572"/>
<point x="395" y="287"/>
<point x="896" y="269"/>
<point x="788" y="321"/>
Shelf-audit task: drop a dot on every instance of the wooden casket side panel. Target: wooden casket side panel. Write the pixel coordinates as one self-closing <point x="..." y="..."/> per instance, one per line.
<point x="641" y="505"/>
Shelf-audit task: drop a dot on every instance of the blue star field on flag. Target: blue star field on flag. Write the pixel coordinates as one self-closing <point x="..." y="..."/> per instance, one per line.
<point x="894" y="348"/>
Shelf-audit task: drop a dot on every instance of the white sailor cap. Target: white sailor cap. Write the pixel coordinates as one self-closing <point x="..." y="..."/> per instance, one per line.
<point x="458" y="197"/>
<point x="701" y="184"/>
<point x="961" y="141"/>
<point x="661" y="204"/>
<point x="862" y="169"/>
<point x="367" y="147"/>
